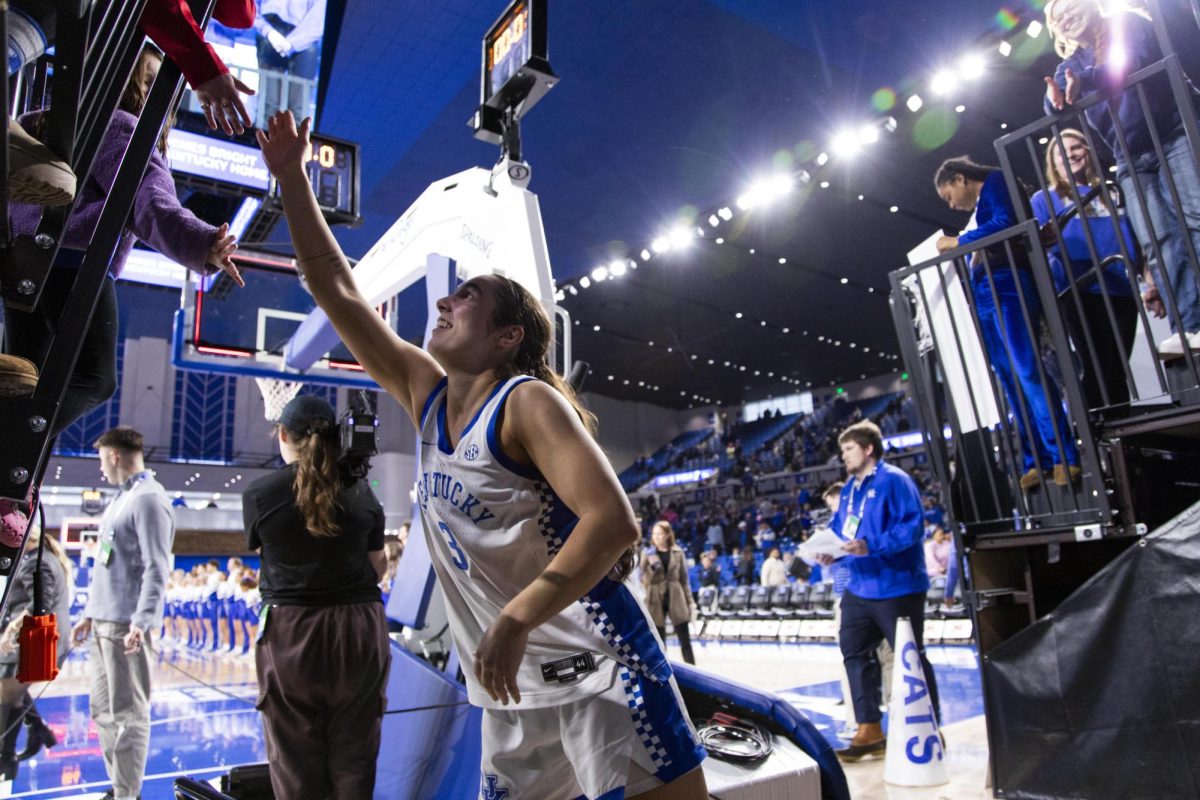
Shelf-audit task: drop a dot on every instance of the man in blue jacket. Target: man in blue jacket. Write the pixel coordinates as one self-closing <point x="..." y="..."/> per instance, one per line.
<point x="880" y="517"/>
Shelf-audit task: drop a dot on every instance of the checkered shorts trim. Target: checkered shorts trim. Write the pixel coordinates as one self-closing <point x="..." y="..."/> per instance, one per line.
<point x="546" y="497"/>
<point x="641" y="721"/>
<point x="625" y="653"/>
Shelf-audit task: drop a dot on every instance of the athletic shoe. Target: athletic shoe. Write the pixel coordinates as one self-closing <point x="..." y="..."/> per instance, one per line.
<point x="18" y="376"/>
<point x="1173" y="347"/>
<point x="35" y="174"/>
<point x="1066" y="474"/>
<point x="12" y="524"/>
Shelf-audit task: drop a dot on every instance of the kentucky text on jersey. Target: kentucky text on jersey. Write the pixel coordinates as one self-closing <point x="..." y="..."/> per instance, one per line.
<point x="447" y="487"/>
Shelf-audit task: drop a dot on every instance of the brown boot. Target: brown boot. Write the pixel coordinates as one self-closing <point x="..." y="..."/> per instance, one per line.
<point x="18" y="376"/>
<point x="1066" y="474"/>
<point x="869" y="740"/>
<point x="1031" y="479"/>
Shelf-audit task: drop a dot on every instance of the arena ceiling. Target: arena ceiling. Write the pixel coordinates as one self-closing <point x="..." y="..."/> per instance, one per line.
<point x="666" y="112"/>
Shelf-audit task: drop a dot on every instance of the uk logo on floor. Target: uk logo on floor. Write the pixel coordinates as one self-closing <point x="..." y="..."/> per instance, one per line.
<point x="489" y="790"/>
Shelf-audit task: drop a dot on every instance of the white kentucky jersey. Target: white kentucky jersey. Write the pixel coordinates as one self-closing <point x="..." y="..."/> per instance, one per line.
<point x="492" y="526"/>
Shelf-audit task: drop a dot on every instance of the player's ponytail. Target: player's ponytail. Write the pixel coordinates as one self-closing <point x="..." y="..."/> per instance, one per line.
<point x="516" y="306"/>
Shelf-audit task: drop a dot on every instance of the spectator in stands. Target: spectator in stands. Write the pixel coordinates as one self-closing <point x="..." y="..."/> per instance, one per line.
<point x="664" y="572"/>
<point x="937" y="552"/>
<point x="773" y="573"/>
<point x="933" y="512"/>
<point x="1103" y="344"/>
<point x="710" y="570"/>
<point x="879" y="516"/>
<point x="714" y="535"/>
<point x="744" y="571"/>
<point x="1003" y="318"/>
<point x="764" y="537"/>
<point x="157" y="218"/>
<point x="323" y="656"/>
<point x="1099" y="52"/>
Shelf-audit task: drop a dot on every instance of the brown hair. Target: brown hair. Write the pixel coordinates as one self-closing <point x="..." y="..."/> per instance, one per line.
<point x="319" y="477"/>
<point x="515" y="305"/>
<point x="1056" y="180"/>
<point x="665" y="527"/>
<point x="123" y="438"/>
<point x="35" y="535"/>
<point x="133" y="98"/>
<point x="864" y="434"/>
<point x="833" y="488"/>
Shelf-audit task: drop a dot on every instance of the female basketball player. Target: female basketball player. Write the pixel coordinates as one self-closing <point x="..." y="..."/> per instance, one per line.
<point x="525" y="522"/>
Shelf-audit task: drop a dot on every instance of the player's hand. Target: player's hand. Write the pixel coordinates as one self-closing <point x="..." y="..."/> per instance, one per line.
<point x="824" y="559"/>
<point x="133" y="640"/>
<point x="81" y="631"/>
<point x="221" y="101"/>
<point x="284" y="146"/>
<point x="855" y="547"/>
<point x="499" y="656"/>
<point x="280" y="42"/>
<point x="946" y="243"/>
<point x="220" y="255"/>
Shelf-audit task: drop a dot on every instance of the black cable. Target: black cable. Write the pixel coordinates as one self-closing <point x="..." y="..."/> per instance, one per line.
<point x="39" y="607"/>
<point x="738" y="741"/>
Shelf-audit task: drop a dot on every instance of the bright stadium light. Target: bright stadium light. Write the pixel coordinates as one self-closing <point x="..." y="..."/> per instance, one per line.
<point x="680" y="237"/>
<point x="599" y="274"/>
<point x="914" y="103"/>
<point x="972" y="66"/>
<point x="944" y="82"/>
<point x="1005" y="49"/>
<point x="617" y="268"/>
<point x="725" y="213"/>
<point x="660" y="245"/>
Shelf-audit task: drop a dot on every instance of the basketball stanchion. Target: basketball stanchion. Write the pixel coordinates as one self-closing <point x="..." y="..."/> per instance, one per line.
<point x="915" y="756"/>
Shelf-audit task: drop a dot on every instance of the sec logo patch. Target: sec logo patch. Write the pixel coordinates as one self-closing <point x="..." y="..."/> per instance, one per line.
<point x="472" y="453"/>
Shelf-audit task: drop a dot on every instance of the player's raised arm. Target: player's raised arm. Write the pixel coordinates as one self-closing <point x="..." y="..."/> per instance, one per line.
<point x="406" y="372"/>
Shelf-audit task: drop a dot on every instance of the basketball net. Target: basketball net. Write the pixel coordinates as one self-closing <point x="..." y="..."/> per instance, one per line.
<point x="276" y="395"/>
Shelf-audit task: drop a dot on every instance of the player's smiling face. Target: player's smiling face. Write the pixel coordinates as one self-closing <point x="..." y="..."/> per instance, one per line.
<point x="463" y="325"/>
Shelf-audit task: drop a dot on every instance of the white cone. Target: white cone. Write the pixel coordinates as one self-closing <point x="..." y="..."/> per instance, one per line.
<point x="914" y="748"/>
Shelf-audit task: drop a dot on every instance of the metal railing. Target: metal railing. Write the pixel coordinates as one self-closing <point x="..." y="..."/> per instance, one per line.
<point x="95" y="52"/>
<point x="1016" y="461"/>
<point x="1096" y="290"/>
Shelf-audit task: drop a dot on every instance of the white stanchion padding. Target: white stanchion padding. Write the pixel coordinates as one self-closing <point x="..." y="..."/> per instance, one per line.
<point x="914" y="746"/>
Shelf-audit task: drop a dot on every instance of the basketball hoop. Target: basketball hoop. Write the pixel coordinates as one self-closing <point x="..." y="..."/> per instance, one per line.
<point x="276" y="395"/>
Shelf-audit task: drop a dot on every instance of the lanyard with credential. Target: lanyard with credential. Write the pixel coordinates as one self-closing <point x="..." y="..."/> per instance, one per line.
<point x="114" y="510"/>
<point x="850" y="527"/>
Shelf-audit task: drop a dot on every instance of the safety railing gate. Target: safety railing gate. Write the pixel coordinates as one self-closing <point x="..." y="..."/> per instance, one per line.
<point x="96" y="47"/>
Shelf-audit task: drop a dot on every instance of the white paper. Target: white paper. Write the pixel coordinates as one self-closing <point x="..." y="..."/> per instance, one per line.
<point x="822" y="543"/>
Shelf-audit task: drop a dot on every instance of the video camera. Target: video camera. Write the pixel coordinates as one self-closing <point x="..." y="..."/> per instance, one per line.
<point x="358" y="432"/>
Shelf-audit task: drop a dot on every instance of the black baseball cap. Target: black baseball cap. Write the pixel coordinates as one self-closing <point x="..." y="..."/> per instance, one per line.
<point x="300" y="412"/>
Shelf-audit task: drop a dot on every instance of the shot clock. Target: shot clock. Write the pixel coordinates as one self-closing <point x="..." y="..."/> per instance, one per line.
<point x="516" y="69"/>
<point x="333" y="170"/>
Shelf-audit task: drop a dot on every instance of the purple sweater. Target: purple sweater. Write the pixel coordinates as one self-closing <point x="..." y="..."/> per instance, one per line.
<point x="158" y="219"/>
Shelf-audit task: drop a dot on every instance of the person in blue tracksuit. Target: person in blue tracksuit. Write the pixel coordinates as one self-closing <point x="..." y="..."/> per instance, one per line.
<point x="880" y="516"/>
<point x="997" y="290"/>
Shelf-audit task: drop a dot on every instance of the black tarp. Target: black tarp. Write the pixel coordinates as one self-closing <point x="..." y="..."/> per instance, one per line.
<point x="1101" y="698"/>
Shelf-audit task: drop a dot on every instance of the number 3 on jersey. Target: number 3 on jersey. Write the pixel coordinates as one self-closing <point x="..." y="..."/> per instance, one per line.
<point x="460" y="558"/>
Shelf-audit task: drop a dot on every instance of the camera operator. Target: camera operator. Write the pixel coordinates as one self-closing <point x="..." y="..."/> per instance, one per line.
<point x="322" y="654"/>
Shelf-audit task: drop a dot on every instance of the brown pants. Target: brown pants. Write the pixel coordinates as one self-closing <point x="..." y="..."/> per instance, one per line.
<point x="322" y="680"/>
